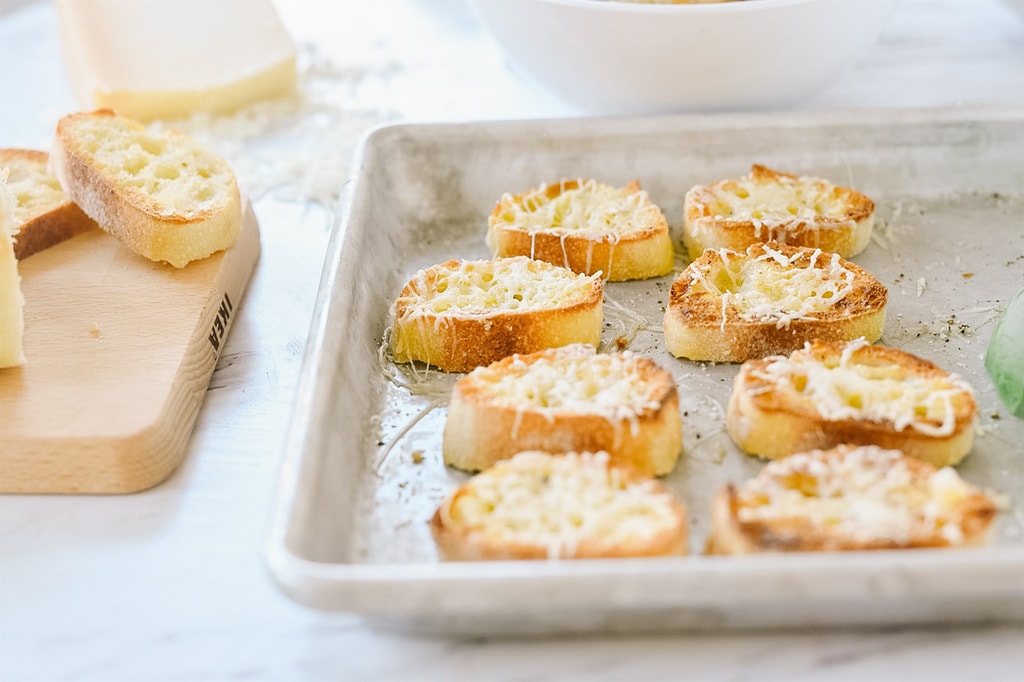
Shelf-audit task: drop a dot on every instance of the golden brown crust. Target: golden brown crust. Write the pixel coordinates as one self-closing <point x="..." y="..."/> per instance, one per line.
<point x="644" y="430"/>
<point x="695" y="328"/>
<point x="49" y="221"/>
<point x="144" y="223"/>
<point x="639" y="254"/>
<point x="455" y="342"/>
<point x="459" y="538"/>
<point x="770" y="421"/>
<point x="820" y="528"/>
<point x="707" y="225"/>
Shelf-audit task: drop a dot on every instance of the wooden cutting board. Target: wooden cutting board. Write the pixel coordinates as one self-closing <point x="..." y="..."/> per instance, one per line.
<point x="119" y="356"/>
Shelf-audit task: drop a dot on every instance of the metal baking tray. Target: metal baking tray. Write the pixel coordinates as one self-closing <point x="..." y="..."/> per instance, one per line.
<point x="362" y="470"/>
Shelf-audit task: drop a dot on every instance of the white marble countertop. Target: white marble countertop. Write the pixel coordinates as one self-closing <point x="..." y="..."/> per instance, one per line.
<point x="169" y="584"/>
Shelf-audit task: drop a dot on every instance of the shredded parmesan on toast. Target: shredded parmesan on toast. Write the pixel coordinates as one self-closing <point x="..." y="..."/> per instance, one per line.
<point x="480" y="288"/>
<point x="558" y="502"/>
<point x="776" y="288"/>
<point x="864" y="494"/>
<point x="579" y="207"/>
<point x="845" y="388"/>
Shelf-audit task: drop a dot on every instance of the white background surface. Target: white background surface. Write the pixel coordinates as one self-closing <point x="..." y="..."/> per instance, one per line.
<point x="169" y="584"/>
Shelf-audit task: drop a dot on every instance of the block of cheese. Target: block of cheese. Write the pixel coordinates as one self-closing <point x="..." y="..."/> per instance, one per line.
<point x="12" y="322"/>
<point x="151" y="59"/>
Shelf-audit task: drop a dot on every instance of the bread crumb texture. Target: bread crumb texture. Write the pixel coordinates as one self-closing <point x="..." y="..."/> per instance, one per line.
<point x="168" y="171"/>
<point x="35" y="190"/>
<point x="163" y="194"/>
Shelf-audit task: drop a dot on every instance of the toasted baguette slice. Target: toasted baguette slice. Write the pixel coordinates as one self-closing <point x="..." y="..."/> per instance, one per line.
<point x="539" y="505"/>
<point x="566" y="399"/>
<point x="849" y="498"/>
<point x="771" y="206"/>
<point x="165" y="196"/>
<point x="461" y="314"/>
<point x="43" y="215"/>
<point x="730" y="306"/>
<point x="587" y="227"/>
<point x="829" y="394"/>
<point x="12" y="302"/>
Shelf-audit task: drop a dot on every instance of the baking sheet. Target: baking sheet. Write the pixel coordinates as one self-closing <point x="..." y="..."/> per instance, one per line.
<point x="363" y="471"/>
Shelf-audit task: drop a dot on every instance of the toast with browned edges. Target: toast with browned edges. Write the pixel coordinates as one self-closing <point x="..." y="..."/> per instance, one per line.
<point x="828" y="394"/>
<point x="43" y="214"/>
<point x="849" y="498"/>
<point x="730" y="306"/>
<point x="462" y="314"/>
<point x="768" y="205"/>
<point x="566" y="399"/>
<point x="539" y="505"/>
<point x="586" y="226"/>
<point x="162" y="194"/>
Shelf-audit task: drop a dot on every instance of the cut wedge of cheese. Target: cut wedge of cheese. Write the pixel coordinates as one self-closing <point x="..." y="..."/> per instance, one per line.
<point x="150" y="59"/>
<point x="12" y="321"/>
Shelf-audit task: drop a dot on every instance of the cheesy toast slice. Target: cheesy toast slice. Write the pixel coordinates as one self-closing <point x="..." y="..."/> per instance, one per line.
<point x="730" y="306"/>
<point x="566" y="399"/>
<point x="586" y="226"/>
<point x="462" y="314"/>
<point x="849" y="498"/>
<point x="768" y="205"/>
<point x="828" y="394"/>
<point x="538" y="505"/>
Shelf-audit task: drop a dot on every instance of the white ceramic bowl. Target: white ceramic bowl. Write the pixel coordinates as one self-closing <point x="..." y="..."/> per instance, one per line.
<point x="608" y="57"/>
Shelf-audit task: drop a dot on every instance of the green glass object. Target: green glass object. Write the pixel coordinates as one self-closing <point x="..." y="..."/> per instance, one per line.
<point x="1004" y="359"/>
